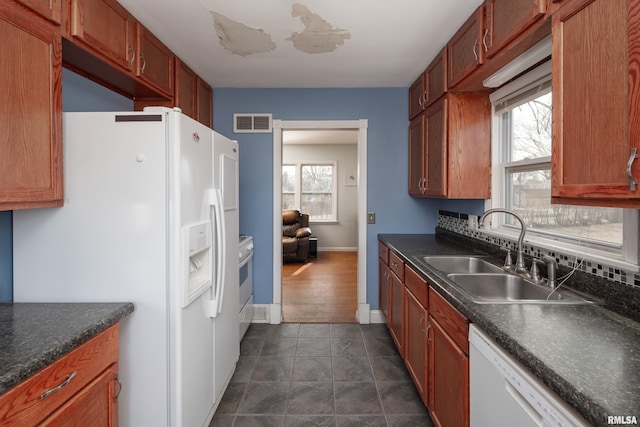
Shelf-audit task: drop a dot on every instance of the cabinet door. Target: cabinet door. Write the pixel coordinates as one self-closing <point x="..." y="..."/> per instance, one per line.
<point x="436" y="149"/>
<point x="417" y="97"/>
<point x="95" y="405"/>
<point x="507" y="19"/>
<point x="106" y="28"/>
<point x="465" y="50"/>
<point x="416" y="343"/>
<point x="49" y="9"/>
<point x="204" y="102"/>
<point x="30" y="114"/>
<point x="448" y="379"/>
<point x="155" y="61"/>
<point x="397" y="314"/>
<point x="416" y="156"/>
<point x="596" y="116"/>
<point x="383" y="270"/>
<point x="185" y="94"/>
<point x="436" y="78"/>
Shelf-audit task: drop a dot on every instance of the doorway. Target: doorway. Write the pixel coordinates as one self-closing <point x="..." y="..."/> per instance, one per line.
<point x="318" y="179"/>
<point x="362" y="310"/>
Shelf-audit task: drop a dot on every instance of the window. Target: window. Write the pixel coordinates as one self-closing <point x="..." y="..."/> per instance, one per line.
<point x="310" y="188"/>
<point x="522" y="174"/>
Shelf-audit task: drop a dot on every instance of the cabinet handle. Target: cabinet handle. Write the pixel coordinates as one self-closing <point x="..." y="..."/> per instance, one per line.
<point x="423" y="330"/>
<point x="632" y="157"/>
<point x="420" y="102"/>
<point x="117" y="378"/>
<point x="58" y="387"/>
<point x="144" y="63"/>
<point x="133" y="55"/>
<point x="484" y="40"/>
<point x="426" y="333"/>
<point x="424" y="98"/>
<point x="475" y="52"/>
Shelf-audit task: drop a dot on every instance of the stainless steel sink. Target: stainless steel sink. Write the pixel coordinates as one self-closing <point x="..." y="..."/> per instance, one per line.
<point x="461" y="264"/>
<point x="507" y="288"/>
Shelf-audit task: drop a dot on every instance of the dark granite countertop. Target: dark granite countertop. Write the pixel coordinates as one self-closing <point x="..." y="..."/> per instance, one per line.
<point x="33" y="335"/>
<point x="587" y="354"/>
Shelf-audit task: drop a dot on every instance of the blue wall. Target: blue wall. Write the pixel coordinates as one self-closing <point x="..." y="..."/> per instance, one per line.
<point x="78" y="94"/>
<point x="387" y="154"/>
<point x="386" y="110"/>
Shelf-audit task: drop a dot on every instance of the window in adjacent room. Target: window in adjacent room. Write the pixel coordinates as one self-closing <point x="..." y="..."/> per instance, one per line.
<point x="522" y="175"/>
<point x="310" y="188"/>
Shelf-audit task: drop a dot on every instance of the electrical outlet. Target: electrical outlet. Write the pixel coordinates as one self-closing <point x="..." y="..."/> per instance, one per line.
<point x="473" y="222"/>
<point x="371" y="217"/>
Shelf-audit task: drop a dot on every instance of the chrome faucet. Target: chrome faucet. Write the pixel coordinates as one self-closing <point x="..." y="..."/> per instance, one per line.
<point x="520" y="267"/>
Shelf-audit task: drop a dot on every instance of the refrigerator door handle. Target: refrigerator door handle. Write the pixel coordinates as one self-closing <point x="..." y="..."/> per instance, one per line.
<point x="216" y="302"/>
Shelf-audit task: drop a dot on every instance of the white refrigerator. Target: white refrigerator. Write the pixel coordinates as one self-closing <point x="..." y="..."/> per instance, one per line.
<point x="151" y="217"/>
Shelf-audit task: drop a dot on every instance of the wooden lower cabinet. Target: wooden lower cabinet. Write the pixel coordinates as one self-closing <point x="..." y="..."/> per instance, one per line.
<point x="431" y="336"/>
<point x="95" y="405"/>
<point x="396" y="317"/>
<point x="448" y="379"/>
<point x="415" y="355"/>
<point x="79" y="389"/>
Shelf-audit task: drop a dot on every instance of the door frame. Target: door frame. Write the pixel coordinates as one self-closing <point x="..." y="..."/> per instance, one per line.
<point x="363" y="312"/>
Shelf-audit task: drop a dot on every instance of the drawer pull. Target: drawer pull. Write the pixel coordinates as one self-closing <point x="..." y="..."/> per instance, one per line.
<point x="58" y="387"/>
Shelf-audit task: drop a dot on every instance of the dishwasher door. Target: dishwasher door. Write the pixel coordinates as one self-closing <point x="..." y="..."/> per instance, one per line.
<point x="504" y="394"/>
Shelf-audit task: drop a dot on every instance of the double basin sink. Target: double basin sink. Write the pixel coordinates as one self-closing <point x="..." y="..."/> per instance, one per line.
<point x="483" y="282"/>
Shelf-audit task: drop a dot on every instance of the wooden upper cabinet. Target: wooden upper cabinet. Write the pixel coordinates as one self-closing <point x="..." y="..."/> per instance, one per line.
<point x="31" y="111"/>
<point x="186" y="88"/>
<point x="155" y="61"/>
<point x="416" y="155"/>
<point x="435" y="162"/>
<point x="507" y="19"/>
<point x="48" y="9"/>
<point x="436" y="78"/>
<point x="450" y="148"/>
<point x="204" y="99"/>
<point x="596" y="97"/>
<point x="417" y="97"/>
<point x="466" y="52"/>
<point x="105" y="28"/>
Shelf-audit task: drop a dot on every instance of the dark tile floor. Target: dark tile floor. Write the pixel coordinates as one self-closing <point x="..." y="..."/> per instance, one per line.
<point x="335" y="375"/>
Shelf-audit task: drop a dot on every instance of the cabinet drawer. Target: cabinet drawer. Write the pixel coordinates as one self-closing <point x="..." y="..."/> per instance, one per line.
<point x="417" y="285"/>
<point x="397" y="265"/>
<point x="383" y="252"/>
<point x="28" y="403"/>
<point x="452" y="321"/>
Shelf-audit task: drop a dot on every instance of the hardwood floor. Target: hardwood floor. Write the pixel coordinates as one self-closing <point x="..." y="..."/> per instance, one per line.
<point x="322" y="290"/>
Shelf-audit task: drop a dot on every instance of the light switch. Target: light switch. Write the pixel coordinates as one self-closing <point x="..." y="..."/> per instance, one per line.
<point x="371" y="217"/>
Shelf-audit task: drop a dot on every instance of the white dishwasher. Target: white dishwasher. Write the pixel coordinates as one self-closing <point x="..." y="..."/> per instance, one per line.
<point x="504" y="394"/>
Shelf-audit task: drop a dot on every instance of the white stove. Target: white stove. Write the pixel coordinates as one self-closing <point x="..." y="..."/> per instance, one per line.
<point x="245" y="249"/>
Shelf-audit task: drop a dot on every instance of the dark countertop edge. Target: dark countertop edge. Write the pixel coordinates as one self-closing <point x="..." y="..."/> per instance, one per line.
<point x="585" y="406"/>
<point x="12" y="379"/>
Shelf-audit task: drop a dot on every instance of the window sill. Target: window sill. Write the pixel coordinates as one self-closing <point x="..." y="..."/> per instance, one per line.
<point x="323" y="222"/>
<point x="567" y="249"/>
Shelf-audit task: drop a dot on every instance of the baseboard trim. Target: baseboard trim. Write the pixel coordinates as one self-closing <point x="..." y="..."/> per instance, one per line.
<point x="376" y="316"/>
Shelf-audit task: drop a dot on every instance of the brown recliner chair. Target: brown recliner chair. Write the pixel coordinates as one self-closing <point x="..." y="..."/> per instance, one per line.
<point x="295" y="236"/>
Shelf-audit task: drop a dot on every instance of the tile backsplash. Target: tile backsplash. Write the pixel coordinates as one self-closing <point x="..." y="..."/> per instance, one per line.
<point x="458" y="223"/>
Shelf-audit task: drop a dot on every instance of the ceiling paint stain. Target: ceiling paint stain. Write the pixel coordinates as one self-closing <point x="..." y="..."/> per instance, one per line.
<point x="318" y="36"/>
<point x="240" y="39"/>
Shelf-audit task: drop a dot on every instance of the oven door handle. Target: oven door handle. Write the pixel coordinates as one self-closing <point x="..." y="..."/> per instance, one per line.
<point x="246" y="259"/>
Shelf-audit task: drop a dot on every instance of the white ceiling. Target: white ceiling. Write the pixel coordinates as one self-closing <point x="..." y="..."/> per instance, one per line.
<point x="304" y="43"/>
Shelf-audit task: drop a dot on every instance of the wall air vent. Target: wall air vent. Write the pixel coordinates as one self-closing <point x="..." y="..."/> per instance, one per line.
<point x="252" y="123"/>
